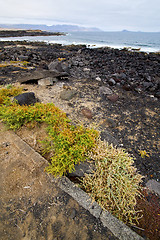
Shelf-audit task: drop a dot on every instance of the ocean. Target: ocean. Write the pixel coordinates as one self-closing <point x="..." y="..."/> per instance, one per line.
<point x="146" y="42"/>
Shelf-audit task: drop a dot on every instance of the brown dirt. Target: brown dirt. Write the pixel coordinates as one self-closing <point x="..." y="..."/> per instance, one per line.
<point x="150" y="223"/>
<point x="31" y="204"/>
<point x="149" y="203"/>
<point x="136" y="118"/>
<point x="132" y="119"/>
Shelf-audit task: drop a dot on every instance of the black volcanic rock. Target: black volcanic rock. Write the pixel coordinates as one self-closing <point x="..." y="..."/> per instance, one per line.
<point x="26" y="98"/>
<point x="21" y="33"/>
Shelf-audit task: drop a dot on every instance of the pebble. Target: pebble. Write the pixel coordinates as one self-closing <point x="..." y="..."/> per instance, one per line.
<point x="157" y="94"/>
<point x="111" y="82"/>
<point x="122" y="75"/>
<point x="113" y="98"/>
<point x="87" y="113"/>
<point x="127" y="87"/>
<point x="147" y="85"/>
<point x="98" y="79"/>
<point x="5" y="144"/>
<point x="67" y="94"/>
<point x="73" y="213"/>
<point x="108" y="122"/>
<point x="86" y="69"/>
<point x="67" y="87"/>
<point x="111" y="122"/>
<point x="105" y="91"/>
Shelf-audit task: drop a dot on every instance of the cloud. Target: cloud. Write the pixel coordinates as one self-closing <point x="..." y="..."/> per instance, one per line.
<point x="106" y="14"/>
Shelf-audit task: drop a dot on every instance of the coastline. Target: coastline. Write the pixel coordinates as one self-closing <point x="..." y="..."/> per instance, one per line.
<point x="133" y="41"/>
<point x="5" y="33"/>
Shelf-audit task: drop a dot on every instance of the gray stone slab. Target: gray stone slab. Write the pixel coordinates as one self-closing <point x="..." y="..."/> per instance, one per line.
<point x="80" y="196"/>
<point x="23" y="147"/>
<point x="118" y="228"/>
<point x="153" y="185"/>
<point x="38" y="160"/>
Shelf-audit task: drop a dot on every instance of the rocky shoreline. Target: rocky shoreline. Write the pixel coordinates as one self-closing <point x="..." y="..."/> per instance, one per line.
<point x="22" y="33"/>
<point x="133" y="71"/>
<point x="117" y="90"/>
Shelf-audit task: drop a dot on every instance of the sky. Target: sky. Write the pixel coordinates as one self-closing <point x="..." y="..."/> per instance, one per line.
<point x="108" y="15"/>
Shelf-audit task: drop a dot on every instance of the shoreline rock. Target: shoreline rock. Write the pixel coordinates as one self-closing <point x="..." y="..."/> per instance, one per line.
<point x="21" y="33"/>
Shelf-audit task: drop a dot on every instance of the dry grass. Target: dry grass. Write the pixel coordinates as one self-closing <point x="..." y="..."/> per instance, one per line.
<point x="115" y="182"/>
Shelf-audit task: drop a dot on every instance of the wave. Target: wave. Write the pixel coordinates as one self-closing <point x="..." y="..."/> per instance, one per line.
<point x="148" y="42"/>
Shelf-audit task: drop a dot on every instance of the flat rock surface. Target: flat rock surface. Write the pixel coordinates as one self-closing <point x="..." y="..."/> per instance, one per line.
<point x="32" y="205"/>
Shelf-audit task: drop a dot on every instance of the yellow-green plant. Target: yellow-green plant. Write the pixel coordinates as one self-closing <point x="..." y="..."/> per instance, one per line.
<point x="114" y="184"/>
<point x="20" y="64"/>
<point x="7" y="92"/>
<point x="70" y="143"/>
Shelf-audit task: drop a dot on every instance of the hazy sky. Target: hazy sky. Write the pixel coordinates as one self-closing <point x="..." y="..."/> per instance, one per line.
<point x="108" y="15"/>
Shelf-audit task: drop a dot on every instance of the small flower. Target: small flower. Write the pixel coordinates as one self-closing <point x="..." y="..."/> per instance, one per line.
<point x="143" y="153"/>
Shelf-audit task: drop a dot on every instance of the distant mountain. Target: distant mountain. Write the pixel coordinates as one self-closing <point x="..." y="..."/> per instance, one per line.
<point x="53" y="28"/>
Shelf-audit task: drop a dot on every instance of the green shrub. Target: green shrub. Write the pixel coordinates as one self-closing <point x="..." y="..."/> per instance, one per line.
<point x="6" y="93"/>
<point x="69" y="143"/>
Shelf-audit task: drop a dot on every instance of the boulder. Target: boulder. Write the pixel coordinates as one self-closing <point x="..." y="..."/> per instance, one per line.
<point x="36" y="75"/>
<point x="27" y="98"/>
<point x="68" y="94"/>
<point x="23" y="58"/>
<point x="82" y="168"/>
<point x="59" y="67"/>
<point x="105" y="135"/>
<point x="47" y="81"/>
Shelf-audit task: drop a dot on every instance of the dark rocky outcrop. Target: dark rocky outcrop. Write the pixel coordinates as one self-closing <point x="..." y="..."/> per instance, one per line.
<point x="34" y="76"/>
<point x="21" y="33"/>
<point x="82" y="169"/>
<point x="27" y="98"/>
<point x="59" y="67"/>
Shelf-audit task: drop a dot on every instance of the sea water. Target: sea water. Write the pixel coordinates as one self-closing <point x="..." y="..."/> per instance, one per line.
<point x="147" y="42"/>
